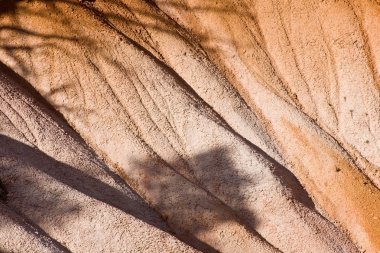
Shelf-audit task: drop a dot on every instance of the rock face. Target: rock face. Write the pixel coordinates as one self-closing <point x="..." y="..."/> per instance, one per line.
<point x="178" y="126"/>
<point x="60" y="195"/>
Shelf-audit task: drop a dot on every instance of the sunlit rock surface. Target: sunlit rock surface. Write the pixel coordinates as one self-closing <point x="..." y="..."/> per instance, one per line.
<point x="183" y="126"/>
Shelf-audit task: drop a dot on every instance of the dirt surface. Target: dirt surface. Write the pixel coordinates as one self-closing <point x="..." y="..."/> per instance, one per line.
<point x="181" y="126"/>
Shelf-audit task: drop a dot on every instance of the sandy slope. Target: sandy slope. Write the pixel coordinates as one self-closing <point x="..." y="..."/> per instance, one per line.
<point x="63" y="190"/>
<point x="17" y="234"/>
<point x="248" y="125"/>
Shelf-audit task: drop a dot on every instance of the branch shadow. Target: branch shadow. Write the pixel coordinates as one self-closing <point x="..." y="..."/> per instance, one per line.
<point x="133" y="30"/>
<point x="162" y="23"/>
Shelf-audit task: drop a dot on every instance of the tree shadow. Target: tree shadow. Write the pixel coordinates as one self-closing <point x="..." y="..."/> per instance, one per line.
<point x="32" y="191"/>
<point x="211" y="166"/>
<point x="188" y="211"/>
<point x="188" y="204"/>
